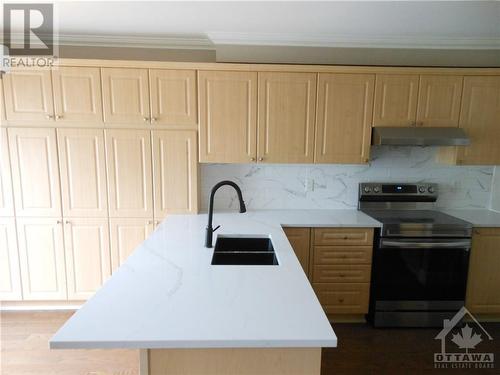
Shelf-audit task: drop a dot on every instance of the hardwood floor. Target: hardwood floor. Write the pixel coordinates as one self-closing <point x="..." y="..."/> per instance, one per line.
<point x="362" y="350"/>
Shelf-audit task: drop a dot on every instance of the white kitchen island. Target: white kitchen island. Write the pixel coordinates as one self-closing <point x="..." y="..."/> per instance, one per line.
<point x="189" y="316"/>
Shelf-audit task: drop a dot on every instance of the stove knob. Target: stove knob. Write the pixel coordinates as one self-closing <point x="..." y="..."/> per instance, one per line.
<point x="367" y="189"/>
<point x="421" y="189"/>
<point x="376" y="189"/>
<point x="431" y="189"/>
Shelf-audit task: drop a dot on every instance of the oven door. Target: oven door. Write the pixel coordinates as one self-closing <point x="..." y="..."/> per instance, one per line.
<point x="415" y="269"/>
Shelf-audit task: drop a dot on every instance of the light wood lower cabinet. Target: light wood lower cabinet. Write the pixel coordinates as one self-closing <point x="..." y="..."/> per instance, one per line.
<point x="341" y="268"/>
<point x="175" y="172"/>
<point x="343" y="298"/>
<point x="88" y="259"/>
<point x="300" y="239"/>
<point x="6" y="197"/>
<point x="41" y="255"/>
<point x="83" y="172"/>
<point x="483" y="283"/>
<point x="10" y="276"/>
<point x="130" y="180"/>
<point x="35" y="172"/>
<point x="126" y="235"/>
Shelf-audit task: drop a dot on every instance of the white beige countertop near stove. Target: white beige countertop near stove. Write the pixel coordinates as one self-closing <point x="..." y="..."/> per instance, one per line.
<point x="168" y="295"/>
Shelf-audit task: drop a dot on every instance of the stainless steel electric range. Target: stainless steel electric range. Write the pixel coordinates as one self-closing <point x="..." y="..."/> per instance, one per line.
<point x="420" y="257"/>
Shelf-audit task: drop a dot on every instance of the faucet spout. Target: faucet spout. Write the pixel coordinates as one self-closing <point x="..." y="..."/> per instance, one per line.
<point x="209" y="229"/>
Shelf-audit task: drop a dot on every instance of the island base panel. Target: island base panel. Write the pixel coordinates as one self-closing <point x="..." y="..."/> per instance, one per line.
<point x="231" y="361"/>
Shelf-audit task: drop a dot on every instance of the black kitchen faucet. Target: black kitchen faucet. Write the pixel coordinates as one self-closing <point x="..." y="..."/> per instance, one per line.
<point x="210" y="230"/>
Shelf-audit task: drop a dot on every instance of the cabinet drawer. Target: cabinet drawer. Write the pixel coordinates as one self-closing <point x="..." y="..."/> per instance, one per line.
<point x="342" y="255"/>
<point x="342" y="273"/>
<point x="343" y="236"/>
<point x="343" y="298"/>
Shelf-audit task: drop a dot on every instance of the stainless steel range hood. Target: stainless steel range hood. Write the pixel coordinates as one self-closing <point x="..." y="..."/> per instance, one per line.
<point x="419" y="136"/>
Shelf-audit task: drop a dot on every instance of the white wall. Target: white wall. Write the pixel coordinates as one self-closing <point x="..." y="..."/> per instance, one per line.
<point x="336" y="186"/>
<point x="495" y="190"/>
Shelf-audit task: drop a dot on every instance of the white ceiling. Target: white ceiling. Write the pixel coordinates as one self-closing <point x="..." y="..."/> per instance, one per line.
<point x="417" y="24"/>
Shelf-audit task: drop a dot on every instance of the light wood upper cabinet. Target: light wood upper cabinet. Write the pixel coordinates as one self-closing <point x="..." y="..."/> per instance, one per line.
<point x="128" y="157"/>
<point x="77" y="94"/>
<point x="439" y="101"/>
<point x="88" y="259"/>
<point x="126" y="235"/>
<point x="41" y="255"/>
<point x="480" y="118"/>
<point x="300" y="239"/>
<point x="10" y="276"/>
<point x="173" y="97"/>
<point x="175" y="172"/>
<point x="483" y="282"/>
<point x="343" y="120"/>
<point x="287" y="103"/>
<point x="395" y="100"/>
<point x="228" y="116"/>
<point x="28" y="95"/>
<point x="35" y="172"/>
<point x="83" y="172"/>
<point x="125" y="94"/>
<point x="6" y="197"/>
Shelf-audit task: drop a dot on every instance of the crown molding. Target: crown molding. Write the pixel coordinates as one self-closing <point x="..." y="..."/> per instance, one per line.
<point x="350" y="41"/>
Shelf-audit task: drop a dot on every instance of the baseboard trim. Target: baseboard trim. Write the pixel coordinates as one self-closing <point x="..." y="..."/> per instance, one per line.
<point x="40" y="305"/>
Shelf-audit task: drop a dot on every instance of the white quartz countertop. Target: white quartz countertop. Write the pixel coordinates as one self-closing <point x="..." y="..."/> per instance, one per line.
<point x="477" y="217"/>
<point x="168" y="295"/>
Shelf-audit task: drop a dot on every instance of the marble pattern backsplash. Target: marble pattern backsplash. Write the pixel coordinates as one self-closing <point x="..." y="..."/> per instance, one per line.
<point x="495" y="190"/>
<point x="313" y="186"/>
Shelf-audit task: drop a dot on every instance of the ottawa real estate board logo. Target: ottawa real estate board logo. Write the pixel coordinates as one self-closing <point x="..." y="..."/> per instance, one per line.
<point x="28" y="35"/>
<point x="466" y="338"/>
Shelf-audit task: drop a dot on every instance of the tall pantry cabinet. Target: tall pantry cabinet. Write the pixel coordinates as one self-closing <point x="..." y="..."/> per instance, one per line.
<point x="82" y="182"/>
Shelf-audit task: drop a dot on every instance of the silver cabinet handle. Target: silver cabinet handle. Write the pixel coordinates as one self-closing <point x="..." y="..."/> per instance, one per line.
<point x="59" y="221"/>
<point x="153" y="119"/>
<point x="67" y="222"/>
<point x="261" y="159"/>
<point x="146" y="119"/>
<point x="150" y="221"/>
<point x="252" y="159"/>
<point x="49" y="117"/>
<point x="58" y="117"/>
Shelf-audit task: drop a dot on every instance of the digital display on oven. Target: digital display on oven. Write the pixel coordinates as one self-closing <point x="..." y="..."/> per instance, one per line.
<point x="399" y="189"/>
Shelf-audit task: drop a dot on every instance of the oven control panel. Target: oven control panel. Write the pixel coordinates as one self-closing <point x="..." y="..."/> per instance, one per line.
<point x="400" y="189"/>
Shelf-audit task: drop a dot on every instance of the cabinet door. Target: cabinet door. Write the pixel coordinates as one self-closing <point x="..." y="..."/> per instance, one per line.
<point x="10" y="276"/>
<point x="41" y="254"/>
<point x="395" y="100"/>
<point x="480" y="118"/>
<point x="83" y="172"/>
<point x="6" y="197"/>
<point x="228" y="116"/>
<point x="345" y="107"/>
<point x="88" y="259"/>
<point x="300" y="239"/>
<point x="483" y="282"/>
<point x="35" y="172"/>
<point x="439" y="100"/>
<point x="77" y="94"/>
<point x="175" y="172"/>
<point x="173" y="97"/>
<point x="125" y="95"/>
<point x="126" y="235"/>
<point x="128" y="158"/>
<point x="28" y="95"/>
<point x="287" y="104"/>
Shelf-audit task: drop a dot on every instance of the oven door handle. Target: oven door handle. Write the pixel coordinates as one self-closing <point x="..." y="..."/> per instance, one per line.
<point x="426" y="245"/>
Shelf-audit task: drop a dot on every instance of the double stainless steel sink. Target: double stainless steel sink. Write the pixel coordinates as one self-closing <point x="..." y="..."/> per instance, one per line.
<point x="244" y="250"/>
